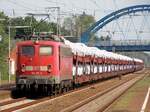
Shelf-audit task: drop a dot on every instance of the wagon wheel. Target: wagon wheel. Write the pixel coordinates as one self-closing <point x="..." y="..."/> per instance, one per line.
<point x="59" y="90"/>
<point x="49" y="92"/>
<point x="46" y="90"/>
<point x="67" y="88"/>
<point x="64" y="89"/>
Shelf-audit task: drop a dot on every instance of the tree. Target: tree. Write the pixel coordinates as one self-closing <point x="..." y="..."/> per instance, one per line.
<point x="105" y="38"/>
<point x="69" y="25"/>
<point x="3" y="46"/>
<point x="83" y="22"/>
<point x="78" y="24"/>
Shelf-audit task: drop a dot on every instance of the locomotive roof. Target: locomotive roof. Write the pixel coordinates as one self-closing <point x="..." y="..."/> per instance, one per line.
<point x="29" y="42"/>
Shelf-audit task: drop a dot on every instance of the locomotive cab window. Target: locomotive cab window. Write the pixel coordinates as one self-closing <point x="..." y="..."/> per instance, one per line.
<point x="45" y="50"/>
<point x="27" y="50"/>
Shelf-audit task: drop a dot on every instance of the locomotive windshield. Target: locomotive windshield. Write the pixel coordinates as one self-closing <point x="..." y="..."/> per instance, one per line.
<point x="27" y="50"/>
<point x="45" y="50"/>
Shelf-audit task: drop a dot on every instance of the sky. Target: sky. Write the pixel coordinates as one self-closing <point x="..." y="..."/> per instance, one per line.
<point x="97" y="8"/>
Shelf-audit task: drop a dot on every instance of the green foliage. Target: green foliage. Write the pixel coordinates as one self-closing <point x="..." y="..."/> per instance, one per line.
<point x="105" y="38"/>
<point x="46" y="27"/>
<point x="130" y="95"/>
<point x="78" y="24"/>
<point x="3" y="46"/>
<point x="64" y="31"/>
<point x="35" y="26"/>
<point x="4" y="57"/>
<point x="85" y="21"/>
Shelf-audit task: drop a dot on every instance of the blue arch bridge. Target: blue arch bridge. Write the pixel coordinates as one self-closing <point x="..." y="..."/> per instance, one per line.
<point x="132" y="45"/>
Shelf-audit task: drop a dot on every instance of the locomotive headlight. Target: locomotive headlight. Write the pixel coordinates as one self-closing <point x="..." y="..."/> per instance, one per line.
<point x="23" y="67"/>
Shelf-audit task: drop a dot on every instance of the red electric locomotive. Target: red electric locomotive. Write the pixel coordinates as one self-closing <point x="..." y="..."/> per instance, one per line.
<point x="43" y="65"/>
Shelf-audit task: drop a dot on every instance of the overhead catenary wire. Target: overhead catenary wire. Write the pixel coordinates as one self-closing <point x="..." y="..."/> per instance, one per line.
<point x="146" y="21"/>
<point x="95" y="3"/>
<point x="51" y="1"/>
<point x="21" y="5"/>
<point x="136" y="32"/>
<point x="116" y="8"/>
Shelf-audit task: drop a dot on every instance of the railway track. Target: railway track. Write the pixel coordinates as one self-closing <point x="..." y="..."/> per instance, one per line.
<point x="101" y="101"/>
<point x="7" y="86"/>
<point x="24" y="103"/>
<point x="10" y="101"/>
<point x="13" y="104"/>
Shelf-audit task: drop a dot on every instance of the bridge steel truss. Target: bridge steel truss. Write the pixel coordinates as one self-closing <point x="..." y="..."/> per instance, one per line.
<point x="125" y="48"/>
<point x="85" y="37"/>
